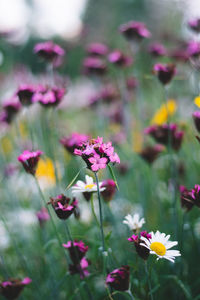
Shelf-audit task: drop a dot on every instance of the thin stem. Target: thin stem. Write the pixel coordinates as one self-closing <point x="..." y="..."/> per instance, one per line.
<point x="93" y="211"/>
<point x="100" y="212"/>
<point x="148" y="280"/>
<point x="130" y="294"/>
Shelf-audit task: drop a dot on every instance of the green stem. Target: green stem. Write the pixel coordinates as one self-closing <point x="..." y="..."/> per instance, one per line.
<point x="93" y="211"/>
<point x="148" y="280"/>
<point x="130" y="294"/>
<point x="100" y="212"/>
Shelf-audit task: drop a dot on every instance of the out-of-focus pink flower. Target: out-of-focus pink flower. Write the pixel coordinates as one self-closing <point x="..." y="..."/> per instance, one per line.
<point x="80" y="268"/>
<point x="48" y="97"/>
<point x="189" y="198"/>
<point x="10" y="108"/>
<point x="134" y="30"/>
<point x="12" y="288"/>
<point x="131" y="83"/>
<point x="196" y="118"/>
<point x="63" y="206"/>
<point x="73" y="141"/>
<point x="151" y="153"/>
<point x="180" y="55"/>
<point x="29" y="160"/>
<point x="97" y="154"/>
<point x="25" y="93"/>
<point x="110" y="189"/>
<point x="157" y="50"/>
<point x="167" y="134"/>
<point x="94" y="66"/>
<point x="43" y="216"/>
<point x="97" y="49"/>
<point x="118" y="279"/>
<point x="142" y="251"/>
<point x="50" y="52"/>
<point x="77" y="250"/>
<point x="164" y="72"/>
<point x="193" y="49"/>
<point x="119" y="59"/>
<point x="194" y="24"/>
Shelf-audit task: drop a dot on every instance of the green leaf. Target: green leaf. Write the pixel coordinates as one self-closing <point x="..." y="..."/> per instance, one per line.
<point x="113" y="176"/>
<point x="181" y="285"/>
<point x="74" y="179"/>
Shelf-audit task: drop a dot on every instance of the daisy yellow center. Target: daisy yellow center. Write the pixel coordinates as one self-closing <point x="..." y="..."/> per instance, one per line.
<point x="89" y="186"/>
<point x="158" y="248"/>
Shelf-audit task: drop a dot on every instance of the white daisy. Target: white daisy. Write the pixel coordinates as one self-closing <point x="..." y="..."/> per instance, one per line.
<point x="88" y="186"/>
<point x="134" y="221"/>
<point x="159" y="244"/>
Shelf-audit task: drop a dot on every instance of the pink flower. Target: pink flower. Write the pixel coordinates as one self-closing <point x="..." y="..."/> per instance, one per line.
<point x="50" y="52"/>
<point x="97" y="163"/>
<point x="42" y="216"/>
<point x="30" y="160"/>
<point x="63" y="206"/>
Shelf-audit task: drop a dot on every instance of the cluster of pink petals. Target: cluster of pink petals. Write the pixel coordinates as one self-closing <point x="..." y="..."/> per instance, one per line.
<point x="48" y="50"/>
<point x="25" y="93"/>
<point x="135" y="30"/>
<point x="97" y="49"/>
<point x="194" y="24"/>
<point x="165" y="72"/>
<point x="63" y="206"/>
<point x="97" y="154"/>
<point x="94" y="66"/>
<point x="193" y="49"/>
<point x="119" y="278"/>
<point x="29" y="160"/>
<point x="141" y="250"/>
<point x="119" y="59"/>
<point x="73" y="141"/>
<point x="48" y="96"/>
<point x="191" y="197"/>
<point x="42" y="215"/>
<point x="157" y="49"/>
<point x="12" y="288"/>
<point x="110" y="189"/>
<point x="9" y="109"/>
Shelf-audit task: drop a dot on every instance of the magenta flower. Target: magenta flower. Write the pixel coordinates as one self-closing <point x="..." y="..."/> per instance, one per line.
<point x="131" y="83"/>
<point x="48" y="97"/>
<point x="50" y="52"/>
<point x="97" y="49"/>
<point x="63" y="206"/>
<point x="165" y="134"/>
<point x="94" y="66"/>
<point x="97" y="154"/>
<point x="30" y="160"/>
<point x="25" y="93"/>
<point x="77" y="250"/>
<point x="196" y="118"/>
<point x="43" y="216"/>
<point x="10" y="108"/>
<point x="194" y="25"/>
<point x="73" y="141"/>
<point x="118" y="279"/>
<point x="142" y="251"/>
<point x="119" y="59"/>
<point x="193" y="49"/>
<point x="80" y="268"/>
<point x="164" y="72"/>
<point x="151" y="153"/>
<point x="135" y="30"/>
<point x="157" y="50"/>
<point x="189" y="198"/>
<point x="12" y="288"/>
<point x="110" y="189"/>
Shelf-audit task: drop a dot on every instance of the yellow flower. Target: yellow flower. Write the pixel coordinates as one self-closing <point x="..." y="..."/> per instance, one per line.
<point x="162" y="114"/>
<point x="45" y="171"/>
<point x="197" y="101"/>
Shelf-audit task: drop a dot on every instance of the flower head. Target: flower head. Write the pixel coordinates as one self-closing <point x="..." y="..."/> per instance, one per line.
<point x="135" y="30"/>
<point x="118" y="279"/>
<point x="97" y="49"/>
<point x="49" y="51"/>
<point x="30" y="160"/>
<point x="142" y="251"/>
<point x="150" y="153"/>
<point x="164" y="72"/>
<point x="80" y="268"/>
<point x="157" y="50"/>
<point x="86" y="188"/>
<point x="42" y="216"/>
<point x="77" y="250"/>
<point x="63" y="206"/>
<point x="119" y="59"/>
<point x="12" y="288"/>
<point x="94" y="66"/>
<point x="134" y="222"/>
<point x="196" y="118"/>
<point x="97" y="154"/>
<point x="108" y="189"/>
<point x="159" y="245"/>
<point x="10" y="108"/>
<point x="25" y="93"/>
<point x="194" y="25"/>
<point x="48" y="97"/>
<point x="74" y="141"/>
<point x="189" y="198"/>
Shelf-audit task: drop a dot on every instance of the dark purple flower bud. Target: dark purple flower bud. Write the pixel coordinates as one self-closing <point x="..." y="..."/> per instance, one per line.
<point x="25" y="93"/>
<point x="119" y="59"/>
<point x="97" y="49"/>
<point x="12" y="288"/>
<point x="151" y="153"/>
<point x="63" y="206"/>
<point x="48" y="97"/>
<point x="108" y="94"/>
<point x="157" y="50"/>
<point x="142" y="251"/>
<point x="135" y="30"/>
<point x="123" y="167"/>
<point x="77" y="250"/>
<point x="110" y="189"/>
<point x="196" y="118"/>
<point x="194" y="25"/>
<point x="74" y="141"/>
<point x="131" y="83"/>
<point x="164" y="72"/>
<point x="94" y="66"/>
<point x="80" y="268"/>
<point x="187" y="201"/>
<point x="43" y="216"/>
<point x="166" y="134"/>
<point x="30" y="160"/>
<point x="118" y="279"/>
<point x="10" y="108"/>
<point x="49" y="51"/>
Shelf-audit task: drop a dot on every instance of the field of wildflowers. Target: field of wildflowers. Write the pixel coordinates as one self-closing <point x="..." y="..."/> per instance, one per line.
<point x="100" y="183"/>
